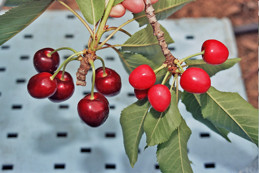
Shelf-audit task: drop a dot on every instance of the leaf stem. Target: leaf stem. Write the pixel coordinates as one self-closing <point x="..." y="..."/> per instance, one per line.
<point x="190" y="56"/>
<point x="79" y="17"/>
<point x="93" y="79"/>
<point x="64" y="63"/>
<point x="122" y="30"/>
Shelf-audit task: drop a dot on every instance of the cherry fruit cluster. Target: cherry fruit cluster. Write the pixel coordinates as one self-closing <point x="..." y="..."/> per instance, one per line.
<point x="193" y="79"/>
<point x="58" y="86"/>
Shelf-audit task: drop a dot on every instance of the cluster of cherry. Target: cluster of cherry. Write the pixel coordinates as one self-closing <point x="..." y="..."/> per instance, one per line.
<point x="193" y="79"/>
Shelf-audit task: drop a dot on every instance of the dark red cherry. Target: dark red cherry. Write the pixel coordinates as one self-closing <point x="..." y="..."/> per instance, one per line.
<point x="140" y="94"/>
<point x="195" y="80"/>
<point x="159" y="97"/>
<point x="215" y="52"/>
<point x="142" y="77"/>
<point x="41" y="85"/>
<point x="109" y="84"/>
<point x="45" y="63"/>
<point x="93" y="112"/>
<point x="65" y="87"/>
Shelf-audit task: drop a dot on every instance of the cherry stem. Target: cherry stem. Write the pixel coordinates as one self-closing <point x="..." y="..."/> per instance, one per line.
<point x="179" y="65"/>
<point x="177" y="87"/>
<point x="66" y="62"/>
<point x="62" y="48"/>
<point x="190" y="56"/>
<point x="173" y="83"/>
<point x="122" y="30"/>
<point x="159" y="68"/>
<point x="93" y="80"/>
<point x="165" y="78"/>
<point x="64" y="67"/>
<point x="79" y="17"/>
<point x="103" y="64"/>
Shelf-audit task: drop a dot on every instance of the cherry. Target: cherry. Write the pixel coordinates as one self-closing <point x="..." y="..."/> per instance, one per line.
<point x="41" y="85"/>
<point x="44" y="63"/>
<point x="117" y="11"/>
<point x="109" y="84"/>
<point x="135" y="6"/>
<point x="142" y="77"/>
<point x="159" y="97"/>
<point x="94" y="111"/>
<point x="140" y="94"/>
<point x="215" y="52"/>
<point x="65" y="87"/>
<point x="195" y="80"/>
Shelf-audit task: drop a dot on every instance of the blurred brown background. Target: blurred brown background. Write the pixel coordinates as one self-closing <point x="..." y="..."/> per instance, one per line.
<point x="244" y="17"/>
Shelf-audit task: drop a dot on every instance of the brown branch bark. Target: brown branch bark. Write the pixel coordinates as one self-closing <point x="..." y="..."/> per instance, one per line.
<point x="169" y="58"/>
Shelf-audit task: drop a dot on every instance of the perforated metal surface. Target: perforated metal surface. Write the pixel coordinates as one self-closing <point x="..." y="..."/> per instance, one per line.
<point x="41" y="136"/>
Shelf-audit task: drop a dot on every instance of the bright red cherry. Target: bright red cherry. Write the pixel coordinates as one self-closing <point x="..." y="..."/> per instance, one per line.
<point x="94" y="111"/>
<point x="135" y="6"/>
<point x="109" y="84"/>
<point x="142" y="77"/>
<point x="195" y="80"/>
<point x="65" y="87"/>
<point x="44" y="63"/>
<point x="215" y="52"/>
<point x="41" y="85"/>
<point x="117" y="11"/>
<point x="140" y="94"/>
<point x="159" y="97"/>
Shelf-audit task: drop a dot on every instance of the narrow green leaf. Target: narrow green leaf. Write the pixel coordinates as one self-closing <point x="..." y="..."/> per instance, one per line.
<point x="10" y="3"/>
<point x="92" y="10"/>
<point x="163" y="9"/>
<point x="230" y="111"/>
<point x="144" y="38"/>
<point x="16" y="19"/>
<point x="172" y="155"/>
<point x="132" y="120"/>
<point x="117" y="1"/>
<point x="160" y="126"/>
<point x="192" y="104"/>
<point x="212" y="69"/>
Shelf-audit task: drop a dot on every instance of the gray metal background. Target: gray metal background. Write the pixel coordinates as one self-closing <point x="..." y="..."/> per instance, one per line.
<point x="38" y="136"/>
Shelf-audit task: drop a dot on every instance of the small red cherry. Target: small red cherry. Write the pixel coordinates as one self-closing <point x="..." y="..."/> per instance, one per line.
<point x="65" y="87"/>
<point x="41" y="85"/>
<point x="117" y="11"/>
<point x="140" y="94"/>
<point x="215" y="52"/>
<point x="93" y="112"/>
<point x="135" y="6"/>
<point x="195" y="80"/>
<point x="142" y="77"/>
<point x="44" y="63"/>
<point x="159" y="97"/>
<point x="109" y="84"/>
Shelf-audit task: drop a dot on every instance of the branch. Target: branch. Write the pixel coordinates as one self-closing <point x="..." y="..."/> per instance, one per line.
<point x="169" y="58"/>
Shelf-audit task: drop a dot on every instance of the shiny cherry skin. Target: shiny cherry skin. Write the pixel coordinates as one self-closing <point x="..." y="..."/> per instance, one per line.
<point x="65" y="87"/>
<point x="43" y="63"/>
<point x="142" y="77"/>
<point x="135" y="6"/>
<point x="159" y="97"/>
<point x="140" y="94"/>
<point x="93" y="112"/>
<point x="117" y="11"/>
<point x="215" y="52"/>
<point x="41" y="85"/>
<point x="109" y="84"/>
<point x="195" y="80"/>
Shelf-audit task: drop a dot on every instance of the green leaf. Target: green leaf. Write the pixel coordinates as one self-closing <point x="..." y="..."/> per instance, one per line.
<point x="212" y="69"/>
<point x="92" y="9"/>
<point x="230" y="111"/>
<point x="131" y="60"/>
<point x="132" y="120"/>
<point x="192" y="104"/>
<point x="160" y="126"/>
<point x="144" y="38"/>
<point x="172" y="155"/>
<point x="16" y="19"/>
<point x="117" y="2"/>
<point x="10" y="3"/>
<point x="163" y="9"/>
